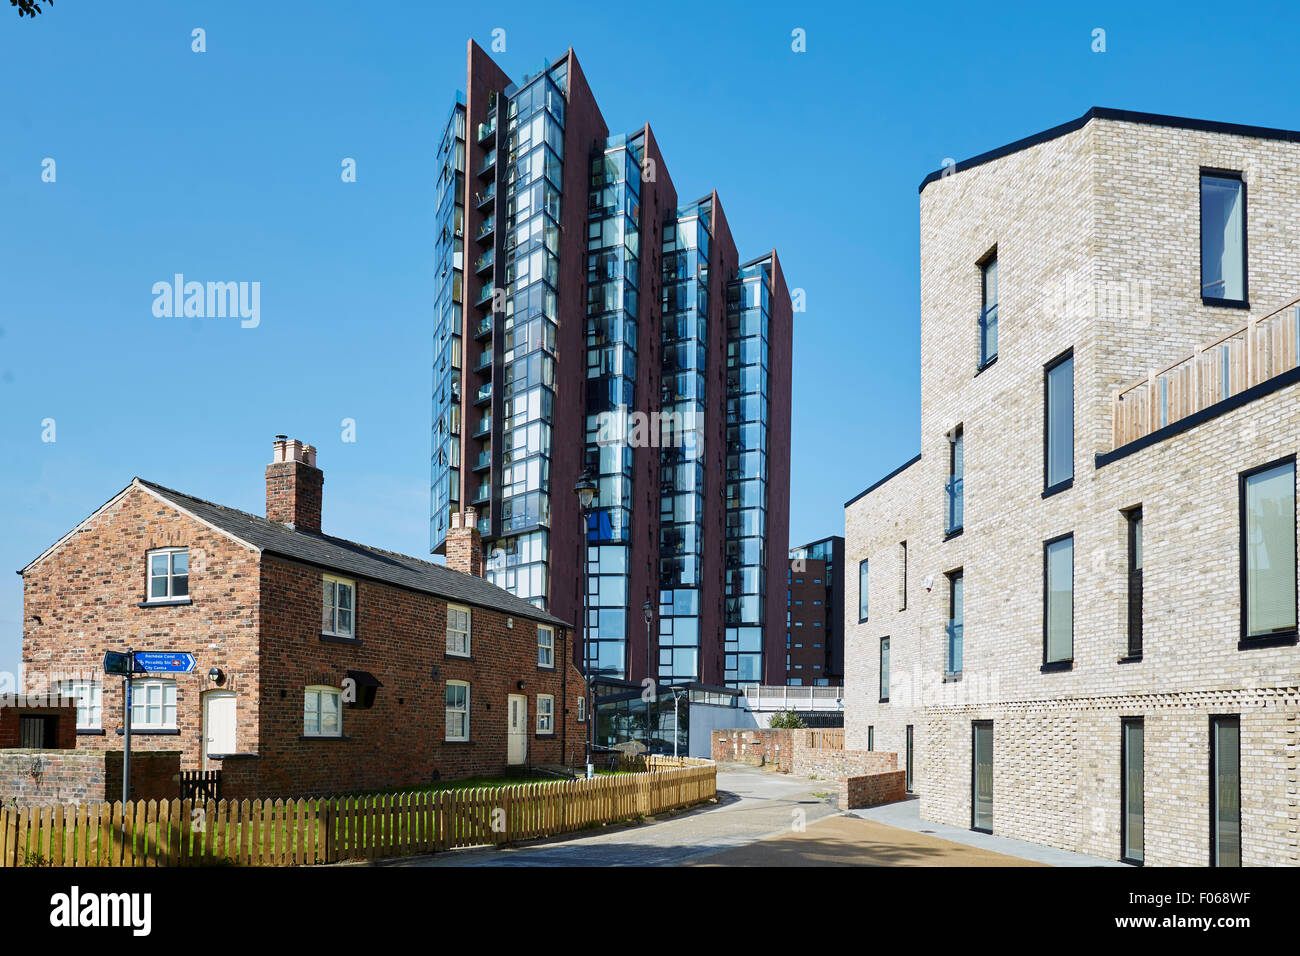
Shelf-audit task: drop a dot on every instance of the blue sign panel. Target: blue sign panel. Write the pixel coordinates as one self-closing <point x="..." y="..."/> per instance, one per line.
<point x="164" y="662"/>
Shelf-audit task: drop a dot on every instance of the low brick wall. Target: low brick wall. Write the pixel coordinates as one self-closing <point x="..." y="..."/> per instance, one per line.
<point x="871" y="789"/>
<point x="837" y="764"/>
<point x="758" y="748"/>
<point x="45" y="777"/>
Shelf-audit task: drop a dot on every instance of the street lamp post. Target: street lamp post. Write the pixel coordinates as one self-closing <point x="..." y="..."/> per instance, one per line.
<point x="585" y="489"/>
<point x="650" y="683"/>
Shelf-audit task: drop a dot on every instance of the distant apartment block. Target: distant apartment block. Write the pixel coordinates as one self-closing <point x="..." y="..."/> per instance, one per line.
<point x="1076" y="608"/>
<point x="589" y="318"/>
<point x="814" y="639"/>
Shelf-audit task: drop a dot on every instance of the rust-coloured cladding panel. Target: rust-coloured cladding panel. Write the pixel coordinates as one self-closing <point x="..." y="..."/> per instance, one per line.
<point x="584" y="130"/>
<point x="482" y="77"/>
<point x="780" y="354"/>
<point x="723" y="260"/>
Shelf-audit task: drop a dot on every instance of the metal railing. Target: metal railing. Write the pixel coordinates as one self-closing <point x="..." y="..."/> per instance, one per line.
<point x="779" y="697"/>
<point x="1250" y="354"/>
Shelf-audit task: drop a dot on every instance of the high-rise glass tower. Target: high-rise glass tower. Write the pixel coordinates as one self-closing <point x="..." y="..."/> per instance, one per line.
<point x="585" y="319"/>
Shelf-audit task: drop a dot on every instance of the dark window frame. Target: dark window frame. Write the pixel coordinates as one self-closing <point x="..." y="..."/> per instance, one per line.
<point x="1050" y="489"/>
<point x="1124" y="724"/>
<point x="1133" y="520"/>
<point x="1211" y="301"/>
<point x="864" y="563"/>
<point x="871" y="737"/>
<point x="1066" y="663"/>
<point x="975" y="725"/>
<point x="984" y="360"/>
<point x="1280" y="638"/>
<point x="908" y="759"/>
<point x="883" y="676"/>
<point x="952" y="577"/>
<point x="955" y="437"/>
<point x="1214" y="785"/>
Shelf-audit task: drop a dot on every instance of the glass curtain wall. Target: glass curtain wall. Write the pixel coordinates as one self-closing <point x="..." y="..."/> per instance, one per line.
<point x="748" y="325"/>
<point x="613" y="268"/>
<point x="449" y="253"/>
<point x="532" y="176"/>
<point x="683" y="401"/>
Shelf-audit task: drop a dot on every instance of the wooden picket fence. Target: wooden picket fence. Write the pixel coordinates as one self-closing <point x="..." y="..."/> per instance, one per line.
<point x="330" y="830"/>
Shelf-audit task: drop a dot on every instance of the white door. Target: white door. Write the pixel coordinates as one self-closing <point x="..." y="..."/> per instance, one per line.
<point x="218" y="723"/>
<point x="517" y="736"/>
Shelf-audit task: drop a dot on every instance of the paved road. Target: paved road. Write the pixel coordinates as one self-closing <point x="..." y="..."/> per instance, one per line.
<point x="753" y="804"/>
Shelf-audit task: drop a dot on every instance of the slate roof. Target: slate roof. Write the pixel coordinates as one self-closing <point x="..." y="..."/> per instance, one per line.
<point x="337" y="554"/>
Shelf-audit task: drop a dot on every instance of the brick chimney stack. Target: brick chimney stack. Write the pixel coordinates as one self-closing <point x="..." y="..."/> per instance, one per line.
<point x="294" y="485"/>
<point x="464" y="546"/>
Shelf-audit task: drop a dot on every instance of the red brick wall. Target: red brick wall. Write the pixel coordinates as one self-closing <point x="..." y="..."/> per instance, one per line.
<point x="41" y="777"/>
<point x="790" y="752"/>
<point x="86" y="594"/>
<point x="11" y="725"/>
<point x="401" y="640"/>
<point x="294" y="490"/>
<point x="872" y="789"/>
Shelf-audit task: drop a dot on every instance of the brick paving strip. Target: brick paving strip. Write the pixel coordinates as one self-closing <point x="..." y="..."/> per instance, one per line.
<point x="851" y="841"/>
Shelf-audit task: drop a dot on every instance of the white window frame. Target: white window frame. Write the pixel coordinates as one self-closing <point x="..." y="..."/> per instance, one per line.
<point x="453" y="649"/>
<point x="545" y="651"/>
<point x="141" y="690"/>
<point x="321" y="691"/>
<point x="169" y="577"/>
<point x="448" y="711"/>
<point x="89" y="695"/>
<point x="546" y="713"/>
<point x="330" y="607"/>
<point x="582" y="710"/>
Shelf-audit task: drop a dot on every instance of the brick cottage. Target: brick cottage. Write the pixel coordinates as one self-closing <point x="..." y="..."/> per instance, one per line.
<point x="324" y="666"/>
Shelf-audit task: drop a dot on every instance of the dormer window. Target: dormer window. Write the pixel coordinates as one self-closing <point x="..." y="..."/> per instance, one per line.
<point x="169" y="574"/>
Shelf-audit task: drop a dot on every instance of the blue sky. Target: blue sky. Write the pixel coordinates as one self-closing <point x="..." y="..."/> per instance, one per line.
<point x="225" y="165"/>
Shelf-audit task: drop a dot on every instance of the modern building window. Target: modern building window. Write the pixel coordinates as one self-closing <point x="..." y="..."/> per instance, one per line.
<point x="90" y="702"/>
<point x="545" y="646"/>
<point x="1058" y="600"/>
<point x="1131" y="789"/>
<point x="956" y="480"/>
<point x="1223" y="238"/>
<point x="981" y="809"/>
<point x="1058" y="463"/>
<point x="545" y="714"/>
<point x="902" y="575"/>
<point x="956" y="622"/>
<point x="909" y="758"/>
<point x="1134" y="517"/>
<point x="457" y="710"/>
<point x="989" y="311"/>
<point x="871" y="737"/>
<point x="1225" y="791"/>
<point x="863" y="591"/>
<point x="153" y="705"/>
<point x="884" y="670"/>
<point x="1268" y="553"/>
<point x="338" y="606"/>
<point x="458" y="643"/>
<point x="169" y="574"/>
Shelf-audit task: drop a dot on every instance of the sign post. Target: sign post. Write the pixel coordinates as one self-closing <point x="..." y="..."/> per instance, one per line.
<point x="128" y="665"/>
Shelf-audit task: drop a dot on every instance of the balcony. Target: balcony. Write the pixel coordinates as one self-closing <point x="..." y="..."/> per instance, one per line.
<point x="489" y="163"/>
<point x="486" y="229"/>
<point x="484" y="427"/>
<point x="488" y="129"/>
<point x="487" y="196"/>
<point x="1251" y="355"/>
<point x="484" y="294"/>
<point x="485" y="261"/>
<point x="484" y="360"/>
<point x="483" y="327"/>
<point x="481" y="494"/>
<point x="484" y="460"/>
<point x="483" y="395"/>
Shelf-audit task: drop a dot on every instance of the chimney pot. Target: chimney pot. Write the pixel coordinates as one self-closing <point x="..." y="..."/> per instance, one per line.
<point x="464" y="544"/>
<point x="294" y="485"/>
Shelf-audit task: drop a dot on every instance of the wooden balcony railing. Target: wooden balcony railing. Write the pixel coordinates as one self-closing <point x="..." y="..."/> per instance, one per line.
<point x="1253" y="353"/>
